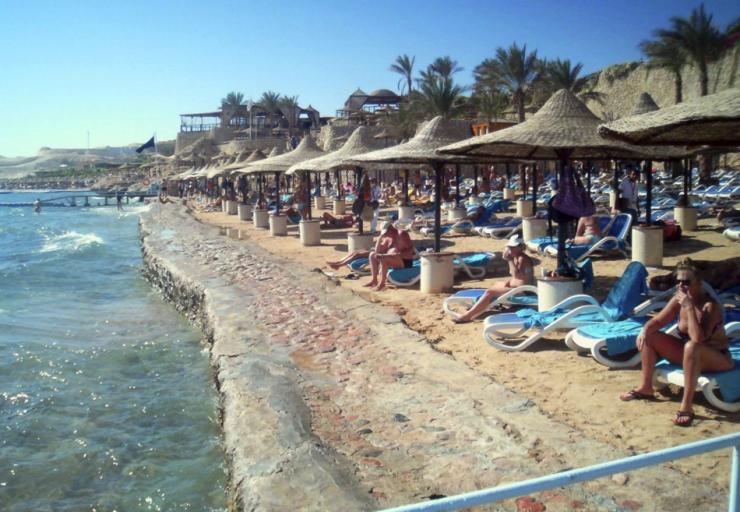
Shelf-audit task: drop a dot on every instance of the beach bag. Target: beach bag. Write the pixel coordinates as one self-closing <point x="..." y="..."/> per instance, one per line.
<point x="572" y="198"/>
<point x="358" y="206"/>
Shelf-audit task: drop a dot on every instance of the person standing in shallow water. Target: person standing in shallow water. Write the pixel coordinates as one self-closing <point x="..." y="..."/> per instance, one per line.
<point x="700" y="344"/>
<point x="37" y="205"/>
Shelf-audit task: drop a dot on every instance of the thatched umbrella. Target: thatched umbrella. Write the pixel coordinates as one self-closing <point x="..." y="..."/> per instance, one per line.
<point x="710" y="120"/>
<point x="645" y="104"/>
<point x="359" y="142"/>
<point x="385" y="134"/>
<point x="563" y="129"/>
<point x="255" y="156"/>
<point x="306" y="150"/>
<point x="277" y="150"/>
<point x="421" y="149"/>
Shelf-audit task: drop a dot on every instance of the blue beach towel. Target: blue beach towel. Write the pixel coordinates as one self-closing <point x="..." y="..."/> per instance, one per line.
<point x="404" y="275"/>
<point x="475" y="294"/>
<point x="480" y="259"/>
<point x="627" y="292"/>
<point x="622" y="299"/>
<point x="729" y="381"/>
<point x="358" y="264"/>
<point x="620" y="336"/>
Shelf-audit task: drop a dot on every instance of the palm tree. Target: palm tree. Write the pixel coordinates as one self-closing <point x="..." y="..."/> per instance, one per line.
<point x="404" y="66"/>
<point x="513" y="70"/>
<point x="439" y="96"/>
<point x="404" y="119"/>
<point x="270" y="101"/>
<point x="230" y="105"/>
<point x="442" y="67"/>
<point x="666" y="54"/>
<point x="699" y="39"/>
<point x="289" y="106"/>
<point x="562" y="74"/>
<point x="490" y="103"/>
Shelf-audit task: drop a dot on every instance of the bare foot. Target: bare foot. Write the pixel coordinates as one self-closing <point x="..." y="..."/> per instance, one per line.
<point x="380" y="287"/>
<point x="461" y="320"/>
<point x="333" y="264"/>
<point x="371" y="284"/>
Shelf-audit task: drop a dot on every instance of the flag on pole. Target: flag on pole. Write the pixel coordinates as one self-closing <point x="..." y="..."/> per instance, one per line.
<point x="148" y="144"/>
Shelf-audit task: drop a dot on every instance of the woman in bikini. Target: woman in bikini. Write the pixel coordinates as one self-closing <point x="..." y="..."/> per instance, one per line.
<point x="701" y="344"/>
<point x="588" y="231"/>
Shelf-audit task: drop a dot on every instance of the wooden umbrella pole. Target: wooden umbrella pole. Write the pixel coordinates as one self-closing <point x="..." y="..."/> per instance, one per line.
<point x="359" y="196"/>
<point x="277" y="193"/>
<point x="534" y="189"/>
<point x="457" y="184"/>
<point x="649" y="185"/>
<point x="562" y="226"/>
<point x="438" y="170"/>
<point x="308" y="190"/>
<point x="405" y="187"/>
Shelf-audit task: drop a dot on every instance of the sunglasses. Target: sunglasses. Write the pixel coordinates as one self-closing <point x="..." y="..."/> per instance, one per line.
<point x="683" y="282"/>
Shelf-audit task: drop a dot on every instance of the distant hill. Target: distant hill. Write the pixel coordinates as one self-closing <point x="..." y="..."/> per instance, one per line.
<point x="52" y="159"/>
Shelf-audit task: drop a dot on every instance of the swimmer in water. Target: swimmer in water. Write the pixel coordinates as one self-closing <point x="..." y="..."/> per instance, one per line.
<point x="37" y="205"/>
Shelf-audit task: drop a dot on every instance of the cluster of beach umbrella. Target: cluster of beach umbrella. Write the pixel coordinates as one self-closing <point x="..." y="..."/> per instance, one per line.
<point x="564" y="129"/>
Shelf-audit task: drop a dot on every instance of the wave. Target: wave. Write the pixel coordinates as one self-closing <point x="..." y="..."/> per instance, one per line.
<point x="128" y="210"/>
<point x="71" y="241"/>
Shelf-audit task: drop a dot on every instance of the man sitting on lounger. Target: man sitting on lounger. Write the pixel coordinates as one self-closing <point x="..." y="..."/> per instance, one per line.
<point x="382" y="246"/>
<point x="588" y="231"/>
<point x="521" y="270"/>
<point x="395" y="251"/>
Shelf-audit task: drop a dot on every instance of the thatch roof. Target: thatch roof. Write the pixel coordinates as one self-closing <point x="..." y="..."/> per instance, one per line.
<point x="563" y="124"/>
<point x="421" y="149"/>
<point x="645" y="103"/>
<point x="256" y="156"/>
<point x="238" y="161"/>
<point x="358" y="143"/>
<point x="277" y="150"/>
<point x="306" y="150"/>
<point x="712" y="120"/>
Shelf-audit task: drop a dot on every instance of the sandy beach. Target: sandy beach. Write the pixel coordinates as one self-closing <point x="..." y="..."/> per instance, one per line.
<point x="570" y="388"/>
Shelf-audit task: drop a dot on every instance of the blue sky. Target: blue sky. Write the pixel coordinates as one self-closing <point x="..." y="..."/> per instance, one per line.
<point x="123" y="70"/>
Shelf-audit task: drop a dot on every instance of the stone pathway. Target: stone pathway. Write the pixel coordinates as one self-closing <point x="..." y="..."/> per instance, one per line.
<point x="355" y="410"/>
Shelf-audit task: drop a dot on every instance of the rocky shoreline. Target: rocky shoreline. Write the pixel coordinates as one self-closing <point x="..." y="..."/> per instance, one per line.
<point x="330" y="402"/>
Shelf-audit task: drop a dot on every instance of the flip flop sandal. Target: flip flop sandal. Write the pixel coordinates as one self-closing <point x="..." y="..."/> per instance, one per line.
<point x="683" y="419"/>
<point x="633" y="394"/>
<point x="351" y="276"/>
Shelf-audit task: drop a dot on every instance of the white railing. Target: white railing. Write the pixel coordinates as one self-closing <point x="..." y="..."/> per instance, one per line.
<point x="573" y="476"/>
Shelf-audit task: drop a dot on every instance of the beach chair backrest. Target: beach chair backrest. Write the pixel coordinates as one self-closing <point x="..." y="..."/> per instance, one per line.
<point x="621" y="226"/>
<point x="627" y="292"/>
<point x="604" y="223"/>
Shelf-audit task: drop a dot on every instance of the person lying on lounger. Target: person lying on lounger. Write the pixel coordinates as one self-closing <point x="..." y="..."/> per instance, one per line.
<point x="330" y="221"/>
<point x="588" y="231"/>
<point x="474" y="214"/>
<point x="521" y="270"/>
<point x="701" y="344"/>
<point x="395" y="251"/>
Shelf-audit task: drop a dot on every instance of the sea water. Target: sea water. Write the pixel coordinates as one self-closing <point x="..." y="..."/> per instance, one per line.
<point x="107" y="401"/>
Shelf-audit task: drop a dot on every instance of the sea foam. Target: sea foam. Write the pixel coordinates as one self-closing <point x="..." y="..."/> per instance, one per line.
<point x="71" y="241"/>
